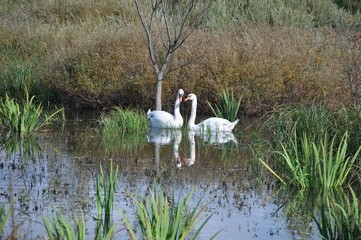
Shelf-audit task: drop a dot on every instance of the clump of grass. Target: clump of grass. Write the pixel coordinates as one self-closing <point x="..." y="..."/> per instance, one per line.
<point x="105" y="190"/>
<point x="321" y="164"/>
<point x="315" y="121"/>
<point x="161" y="217"/>
<point x="228" y="107"/>
<point x="61" y="228"/>
<point x="123" y="121"/>
<point x="24" y="118"/>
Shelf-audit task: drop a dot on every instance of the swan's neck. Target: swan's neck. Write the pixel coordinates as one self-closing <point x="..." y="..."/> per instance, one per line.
<point x="177" y="114"/>
<point x="192" y="118"/>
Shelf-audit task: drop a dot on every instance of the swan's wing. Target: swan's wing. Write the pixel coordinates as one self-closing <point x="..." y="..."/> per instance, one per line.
<point x="215" y="123"/>
<point x="160" y="119"/>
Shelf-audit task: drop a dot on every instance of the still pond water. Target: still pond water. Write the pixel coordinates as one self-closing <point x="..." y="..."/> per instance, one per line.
<point x="57" y="170"/>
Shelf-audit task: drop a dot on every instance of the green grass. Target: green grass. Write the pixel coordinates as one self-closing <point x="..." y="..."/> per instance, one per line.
<point x="161" y="217"/>
<point x="228" y="107"/>
<point x="24" y="118"/>
<point x="322" y="164"/>
<point x="105" y="191"/>
<point x="61" y="228"/>
<point x="4" y="216"/>
<point x="315" y="121"/>
<point x="121" y="122"/>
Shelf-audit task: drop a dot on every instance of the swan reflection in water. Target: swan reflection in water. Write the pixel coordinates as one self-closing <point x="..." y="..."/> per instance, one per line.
<point x="160" y="137"/>
<point x="192" y="151"/>
<point x="217" y="138"/>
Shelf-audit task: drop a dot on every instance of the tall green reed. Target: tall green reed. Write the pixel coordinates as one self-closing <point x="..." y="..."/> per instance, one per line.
<point x="161" y="217"/>
<point x="228" y="107"/>
<point x="315" y="121"/>
<point x="61" y="228"/>
<point x="105" y="192"/>
<point x="24" y="118"/>
<point x="321" y="164"/>
<point x="4" y="216"/>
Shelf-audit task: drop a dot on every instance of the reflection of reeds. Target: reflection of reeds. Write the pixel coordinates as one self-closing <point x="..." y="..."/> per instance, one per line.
<point x="26" y="147"/>
<point x="339" y="216"/>
<point x="161" y="217"/>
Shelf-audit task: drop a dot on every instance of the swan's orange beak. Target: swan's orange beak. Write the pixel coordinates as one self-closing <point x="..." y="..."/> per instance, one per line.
<point x="180" y="99"/>
<point x="187" y="98"/>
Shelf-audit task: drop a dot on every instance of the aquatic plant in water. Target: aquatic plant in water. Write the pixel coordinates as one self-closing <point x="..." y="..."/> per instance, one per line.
<point x="24" y="118"/>
<point x="105" y="189"/>
<point x="123" y="121"/>
<point x="161" y="217"/>
<point x="4" y="215"/>
<point x="61" y="228"/>
<point x="320" y="164"/>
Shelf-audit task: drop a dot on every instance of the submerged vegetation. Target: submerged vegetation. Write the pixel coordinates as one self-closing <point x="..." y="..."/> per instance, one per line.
<point x="4" y="215"/>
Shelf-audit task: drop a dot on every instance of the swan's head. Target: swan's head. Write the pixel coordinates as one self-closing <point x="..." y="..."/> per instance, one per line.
<point x="180" y="95"/>
<point x="191" y="97"/>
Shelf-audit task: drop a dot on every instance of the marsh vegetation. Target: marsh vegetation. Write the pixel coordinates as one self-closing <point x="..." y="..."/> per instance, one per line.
<point x="294" y="65"/>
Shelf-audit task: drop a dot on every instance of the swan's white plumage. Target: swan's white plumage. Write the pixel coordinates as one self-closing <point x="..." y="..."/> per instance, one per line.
<point x="210" y="124"/>
<point x="162" y="119"/>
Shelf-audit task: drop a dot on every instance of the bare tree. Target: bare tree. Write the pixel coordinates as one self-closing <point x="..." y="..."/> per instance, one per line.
<point x="167" y="25"/>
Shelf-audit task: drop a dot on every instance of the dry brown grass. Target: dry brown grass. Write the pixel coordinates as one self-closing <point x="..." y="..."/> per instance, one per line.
<point x="93" y="53"/>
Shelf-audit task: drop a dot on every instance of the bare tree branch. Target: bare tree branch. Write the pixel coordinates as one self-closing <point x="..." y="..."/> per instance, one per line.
<point x="176" y="25"/>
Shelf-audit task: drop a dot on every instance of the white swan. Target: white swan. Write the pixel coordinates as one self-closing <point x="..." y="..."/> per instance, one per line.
<point x="162" y="119"/>
<point x="210" y="124"/>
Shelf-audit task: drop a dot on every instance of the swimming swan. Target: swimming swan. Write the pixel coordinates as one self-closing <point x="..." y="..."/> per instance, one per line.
<point x="162" y="119"/>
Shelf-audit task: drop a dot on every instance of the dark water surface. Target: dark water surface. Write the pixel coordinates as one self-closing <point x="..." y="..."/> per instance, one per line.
<point x="57" y="170"/>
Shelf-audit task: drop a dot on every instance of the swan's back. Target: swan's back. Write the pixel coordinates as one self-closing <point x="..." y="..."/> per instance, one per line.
<point x="217" y="124"/>
<point x="162" y="119"/>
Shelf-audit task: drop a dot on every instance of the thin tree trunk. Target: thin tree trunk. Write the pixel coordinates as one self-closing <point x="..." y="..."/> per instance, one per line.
<point x="158" y="95"/>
